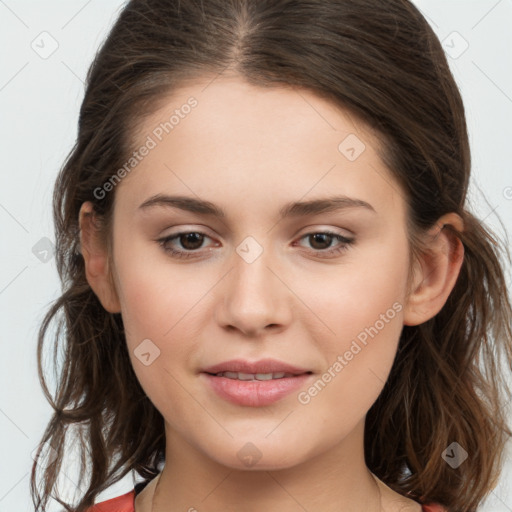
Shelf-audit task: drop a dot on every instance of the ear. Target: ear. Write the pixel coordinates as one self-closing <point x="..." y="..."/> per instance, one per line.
<point x="435" y="275"/>
<point x="96" y="258"/>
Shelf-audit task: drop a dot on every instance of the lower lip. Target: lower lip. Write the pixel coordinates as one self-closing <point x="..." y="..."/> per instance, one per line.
<point x="255" y="393"/>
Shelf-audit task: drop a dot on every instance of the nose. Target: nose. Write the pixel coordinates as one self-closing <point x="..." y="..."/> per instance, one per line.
<point x="254" y="298"/>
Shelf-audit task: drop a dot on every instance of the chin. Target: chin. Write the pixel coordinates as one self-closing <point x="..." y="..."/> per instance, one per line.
<point x="259" y="455"/>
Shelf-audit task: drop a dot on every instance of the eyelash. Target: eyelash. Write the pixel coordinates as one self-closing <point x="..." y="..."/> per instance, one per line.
<point x="345" y="244"/>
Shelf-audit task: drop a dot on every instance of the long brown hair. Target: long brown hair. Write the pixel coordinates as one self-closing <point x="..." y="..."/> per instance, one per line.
<point x="382" y="62"/>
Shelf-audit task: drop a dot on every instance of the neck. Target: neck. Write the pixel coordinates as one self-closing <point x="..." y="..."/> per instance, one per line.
<point x="336" y="480"/>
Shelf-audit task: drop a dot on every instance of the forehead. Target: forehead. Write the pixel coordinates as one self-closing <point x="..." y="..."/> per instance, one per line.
<point x="227" y="140"/>
<point x="229" y="104"/>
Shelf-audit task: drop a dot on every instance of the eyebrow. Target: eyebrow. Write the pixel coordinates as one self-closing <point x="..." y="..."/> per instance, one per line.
<point x="293" y="209"/>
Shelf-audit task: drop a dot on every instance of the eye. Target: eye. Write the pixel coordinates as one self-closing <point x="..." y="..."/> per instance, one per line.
<point x="191" y="241"/>
<point x="321" y="242"/>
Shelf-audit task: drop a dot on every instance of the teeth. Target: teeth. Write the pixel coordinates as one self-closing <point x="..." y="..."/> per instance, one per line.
<point x="245" y="376"/>
<point x="254" y="376"/>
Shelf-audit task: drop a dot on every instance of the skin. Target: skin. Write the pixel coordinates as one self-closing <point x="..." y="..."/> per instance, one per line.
<point x="251" y="150"/>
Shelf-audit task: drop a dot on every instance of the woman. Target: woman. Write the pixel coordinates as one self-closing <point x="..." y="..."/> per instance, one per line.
<point x="274" y="294"/>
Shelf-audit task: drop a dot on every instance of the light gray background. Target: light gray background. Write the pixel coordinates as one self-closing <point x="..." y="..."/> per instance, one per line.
<point x="40" y="96"/>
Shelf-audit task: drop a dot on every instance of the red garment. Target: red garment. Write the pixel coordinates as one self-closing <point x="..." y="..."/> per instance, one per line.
<point x="125" y="503"/>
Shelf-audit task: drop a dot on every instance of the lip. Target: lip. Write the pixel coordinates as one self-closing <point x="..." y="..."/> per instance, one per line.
<point x="255" y="393"/>
<point x="261" y="366"/>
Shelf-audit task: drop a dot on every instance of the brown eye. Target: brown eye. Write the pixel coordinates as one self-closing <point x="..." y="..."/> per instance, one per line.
<point x="321" y="241"/>
<point x="189" y="244"/>
<point x="191" y="241"/>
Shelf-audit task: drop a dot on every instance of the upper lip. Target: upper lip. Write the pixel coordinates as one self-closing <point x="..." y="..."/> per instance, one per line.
<point x="254" y="367"/>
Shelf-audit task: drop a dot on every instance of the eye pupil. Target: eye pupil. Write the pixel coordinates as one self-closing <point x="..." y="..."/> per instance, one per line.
<point x="321" y="238"/>
<point x="195" y="238"/>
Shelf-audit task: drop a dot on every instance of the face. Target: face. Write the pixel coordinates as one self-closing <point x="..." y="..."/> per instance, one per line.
<point x="282" y="275"/>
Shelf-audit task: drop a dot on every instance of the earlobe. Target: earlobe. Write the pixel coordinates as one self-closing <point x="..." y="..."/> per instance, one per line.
<point x="96" y="259"/>
<point x="437" y="272"/>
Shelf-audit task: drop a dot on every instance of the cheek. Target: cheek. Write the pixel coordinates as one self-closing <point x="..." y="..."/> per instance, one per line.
<point x="155" y="293"/>
<point x="362" y="306"/>
<point x="164" y="303"/>
<point x="365" y="290"/>
<point x="157" y="304"/>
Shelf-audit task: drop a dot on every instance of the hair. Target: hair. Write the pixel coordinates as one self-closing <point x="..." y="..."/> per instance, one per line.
<point x="380" y="61"/>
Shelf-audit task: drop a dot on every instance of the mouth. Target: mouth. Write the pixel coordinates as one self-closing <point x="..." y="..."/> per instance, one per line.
<point x="255" y="376"/>
<point x="254" y="384"/>
<point x="264" y="369"/>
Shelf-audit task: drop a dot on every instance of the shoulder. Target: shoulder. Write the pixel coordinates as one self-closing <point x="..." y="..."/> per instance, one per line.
<point x="393" y="501"/>
<point x="417" y="507"/>
<point x="433" y="507"/>
<point x="123" y="503"/>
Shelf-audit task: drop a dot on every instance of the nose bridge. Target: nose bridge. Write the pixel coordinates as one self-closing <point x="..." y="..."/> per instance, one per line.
<point x="253" y="297"/>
